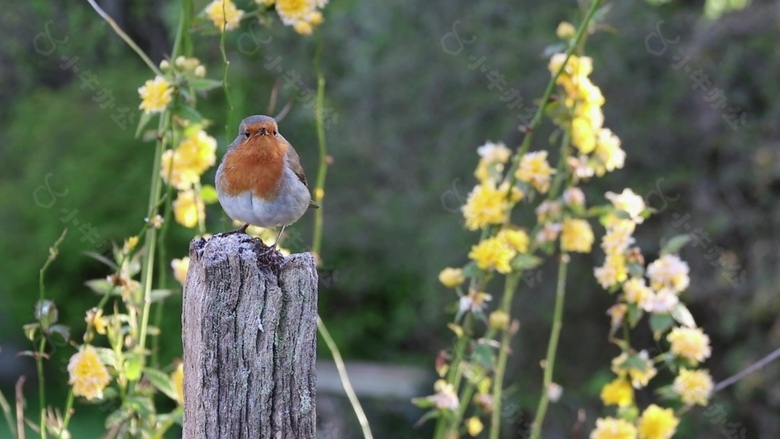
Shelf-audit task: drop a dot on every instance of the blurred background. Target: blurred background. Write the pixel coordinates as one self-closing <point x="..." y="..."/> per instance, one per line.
<point x="410" y="115"/>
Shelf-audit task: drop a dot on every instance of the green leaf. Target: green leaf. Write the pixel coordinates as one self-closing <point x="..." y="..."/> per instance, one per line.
<point x="145" y="119"/>
<point x="203" y="84"/>
<point x="189" y="113"/>
<point x="107" y="356"/>
<point x="98" y="257"/>
<point x="660" y="323"/>
<point x="524" y="262"/>
<point x="46" y="313"/>
<point x="208" y="194"/>
<point x="62" y="330"/>
<point x="635" y="270"/>
<point x="30" y="329"/>
<point x="133" y="367"/>
<point x="483" y="355"/>
<point x="683" y="316"/>
<point x="101" y="286"/>
<point x="162" y="382"/>
<point x="634" y="314"/>
<point x="141" y="405"/>
<point x="666" y="392"/>
<point x="675" y="244"/>
<point x="471" y="269"/>
<point x="160" y="295"/>
<point x="635" y="362"/>
<point x="422" y="403"/>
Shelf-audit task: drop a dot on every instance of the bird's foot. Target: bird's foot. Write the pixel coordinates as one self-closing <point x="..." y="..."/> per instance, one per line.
<point x="241" y="229"/>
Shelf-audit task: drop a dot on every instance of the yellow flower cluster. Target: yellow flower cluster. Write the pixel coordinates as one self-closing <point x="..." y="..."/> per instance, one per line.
<point x="690" y="344"/>
<point x="88" y="375"/>
<point x="224" y="14"/>
<point x="598" y="147"/>
<point x="155" y="94"/>
<point x="576" y="236"/>
<point x="617" y="239"/>
<point x="496" y="253"/>
<point x="302" y="15"/>
<point x="485" y="205"/>
<point x="637" y="368"/>
<point x="693" y="386"/>
<point x="618" y="392"/>
<point x="655" y="423"/>
<point x="188" y="208"/>
<point x="535" y="170"/>
<point x="183" y="166"/>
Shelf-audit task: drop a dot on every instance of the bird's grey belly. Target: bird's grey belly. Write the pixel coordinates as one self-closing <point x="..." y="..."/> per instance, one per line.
<point x="285" y="209"/>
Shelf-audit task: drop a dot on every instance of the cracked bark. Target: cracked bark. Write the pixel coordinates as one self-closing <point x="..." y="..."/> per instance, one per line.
<point x="249" y="330"/>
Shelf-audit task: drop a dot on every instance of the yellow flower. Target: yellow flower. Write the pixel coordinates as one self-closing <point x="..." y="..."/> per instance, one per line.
<point x="576" y="236"/>
<point x="177" y="376"/>
<point x="88" y="375"/>
<point x="155" y="95"/>
<point x="608" y="152"/>
<point x="486" y="205"/>
<point x="445" y="397"/>
<point x="613" y="272"/>
<point x="197" y="152"/>
<point x="611" y="428"/>
<point x="188" y="209"/>
<point x="619" y="392"/>
<point x="689" y="343"/>
<point x="224" y="14"/>
<point x="618" y="237"/>
<point x="494" y="152"/>
<point x="583" y="135"/>
<point x="640" y="370"/>
<point x="535" y="170"/>
<point x="628" y="202"/>
<point x="294" y="11"/>
<point x="180" y="268"/>
<point x="451" y="277"/>
<point x="474" y="302"/>
<point x="474" y="426"/>
<point x="493" y="254"/>
<point x="657" y="423"/>
<point x="130" y="244"/>
<point x="319" y="193"/>
<point x="693" y="386"/>
<point x="303" y="27"/>
<point x="669" y="271"/>
<point x="574" y="196"/>
<point x="617" y="312"/>
<point x="636" y="290"/>
<point x="96" y="319"/>
<point x="181" y="177"/>
<point x="565" y="30"/>
<point x="498" y="319"/>
<point x="515" y="239"/>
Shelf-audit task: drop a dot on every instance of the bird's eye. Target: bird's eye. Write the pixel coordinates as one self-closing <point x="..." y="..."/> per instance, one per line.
<point x="246" y="134"/>
<point x="274" y="132"/>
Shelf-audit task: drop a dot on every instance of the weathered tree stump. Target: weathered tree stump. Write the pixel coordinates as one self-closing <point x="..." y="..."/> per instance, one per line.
<point x="250" y="337"/>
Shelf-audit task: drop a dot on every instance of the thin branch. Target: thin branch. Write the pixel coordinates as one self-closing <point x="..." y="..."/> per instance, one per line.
<point x="345" y="379"/>
<point x="125" y="37"/>
<point x="748" y="370"/>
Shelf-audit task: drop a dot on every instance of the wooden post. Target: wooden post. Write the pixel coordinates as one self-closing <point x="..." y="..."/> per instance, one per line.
<point x="250" y="337"/>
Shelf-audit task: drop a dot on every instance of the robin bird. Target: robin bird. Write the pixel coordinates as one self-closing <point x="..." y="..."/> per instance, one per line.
<point x="260" y="181"/>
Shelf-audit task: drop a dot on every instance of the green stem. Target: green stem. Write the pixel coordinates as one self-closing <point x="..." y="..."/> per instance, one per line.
<point x="125" y="37"/>
<point x="68" y="413"/>
<point x="226" y="63"/>
<point x="334" y="350"/>
<point x="319" y="187"/>
<point x="42" y="345"/>
<point x="552" y="347"/>
<point x="510" y="177"/>
<point x="510" y="287"/>
<point x="7" y="413"/>
<point x="147" y="264"/>
<point x="445" y="426"/>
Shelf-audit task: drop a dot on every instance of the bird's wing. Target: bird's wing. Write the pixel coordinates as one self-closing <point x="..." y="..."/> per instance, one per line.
<point x="295" y="165"/>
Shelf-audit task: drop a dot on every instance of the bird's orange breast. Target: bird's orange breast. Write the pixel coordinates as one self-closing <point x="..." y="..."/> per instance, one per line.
<point x="256" y="165"/>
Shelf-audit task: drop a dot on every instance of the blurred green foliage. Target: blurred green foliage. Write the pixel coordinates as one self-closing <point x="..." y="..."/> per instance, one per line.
<point x="410" y="119"/>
